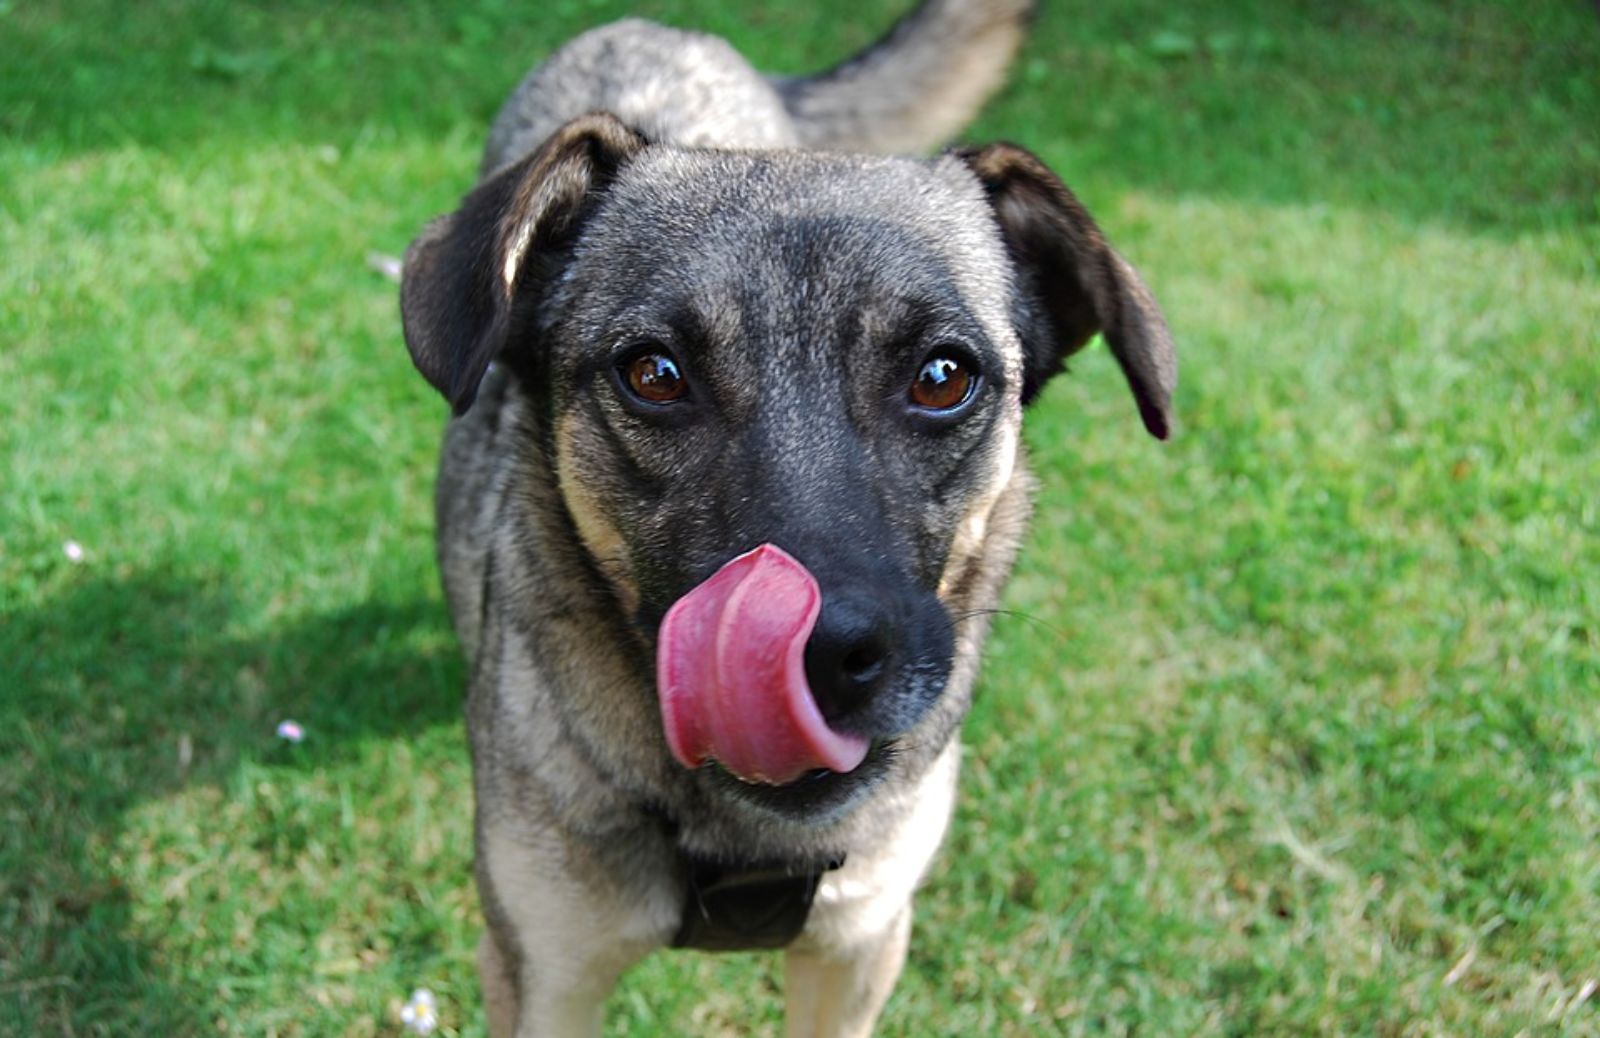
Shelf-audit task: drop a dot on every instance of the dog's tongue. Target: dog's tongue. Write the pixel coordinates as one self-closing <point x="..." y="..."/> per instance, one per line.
<point x="730" y="670"/>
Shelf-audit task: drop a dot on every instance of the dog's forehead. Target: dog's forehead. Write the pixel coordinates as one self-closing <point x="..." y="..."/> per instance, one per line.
<point x="908" y="222"/>
<point x="800" y="182"/>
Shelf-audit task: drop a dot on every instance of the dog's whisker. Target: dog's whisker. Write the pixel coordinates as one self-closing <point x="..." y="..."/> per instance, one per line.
<point x="1059" y="632"/>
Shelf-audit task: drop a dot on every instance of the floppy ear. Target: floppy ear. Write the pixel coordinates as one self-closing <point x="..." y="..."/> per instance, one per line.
<point x="1073" y="284"/>
<point x="461" y="276"/>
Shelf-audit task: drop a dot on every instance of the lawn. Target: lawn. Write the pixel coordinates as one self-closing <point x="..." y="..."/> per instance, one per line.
<point x="1293" y="726"/>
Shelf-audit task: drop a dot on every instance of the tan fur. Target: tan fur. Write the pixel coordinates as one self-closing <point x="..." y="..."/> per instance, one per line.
<point x="839" y="973"/>
<point x="841" y="996"/>
<point x="600" y="536"/>
<point x="972" y="534"/>
<point x="499" y="989"/>
<point x="594" y="933"/>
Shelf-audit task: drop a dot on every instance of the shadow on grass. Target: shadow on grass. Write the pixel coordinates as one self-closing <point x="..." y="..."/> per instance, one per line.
<point x="122" y="690"/>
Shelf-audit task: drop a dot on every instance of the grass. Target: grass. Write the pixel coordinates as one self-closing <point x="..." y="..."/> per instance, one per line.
<point x="1296" y="729"/>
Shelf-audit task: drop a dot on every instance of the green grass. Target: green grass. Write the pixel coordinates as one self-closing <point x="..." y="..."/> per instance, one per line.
<point x="1296" y="731"/>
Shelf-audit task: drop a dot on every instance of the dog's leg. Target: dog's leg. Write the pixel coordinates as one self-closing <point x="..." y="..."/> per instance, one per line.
<point x="552" y="998"/>
<point x="571" y="1013"/>
<point x="838" y="975"/>
<point x="840" y="995"/>
<point x="566" y="933"/>
<point x="563" y="1011"/>
<point x="499" y="989"/>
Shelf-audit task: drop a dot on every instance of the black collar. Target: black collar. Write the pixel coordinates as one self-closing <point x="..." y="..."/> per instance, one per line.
<point x="746" y="905"/>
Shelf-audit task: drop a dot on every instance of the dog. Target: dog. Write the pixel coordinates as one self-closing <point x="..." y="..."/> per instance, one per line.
<point x="733" y="479"/>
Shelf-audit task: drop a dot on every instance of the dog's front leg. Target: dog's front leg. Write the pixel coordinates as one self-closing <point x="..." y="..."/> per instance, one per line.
<point x="840" y="994"/>
<point x="499" y="988"/>
<point x="560" y="936"/>
<point x="524" y="1004"/>
<point x="838" y="975"/>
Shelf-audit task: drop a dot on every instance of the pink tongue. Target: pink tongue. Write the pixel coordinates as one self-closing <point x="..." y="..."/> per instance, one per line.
<point x="730" y="671"/>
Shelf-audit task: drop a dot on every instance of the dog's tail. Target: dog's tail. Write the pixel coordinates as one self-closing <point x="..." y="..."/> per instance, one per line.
<point x="916" y="87"/>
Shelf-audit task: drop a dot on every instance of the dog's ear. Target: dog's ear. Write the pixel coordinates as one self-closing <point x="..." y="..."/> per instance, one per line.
<point x="462" y="274"/>
<point x="1073" y="284"/>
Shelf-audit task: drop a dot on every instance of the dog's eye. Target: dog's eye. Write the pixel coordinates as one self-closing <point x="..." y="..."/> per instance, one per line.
<point x="655" y="377"/>
<point x="944" y="382"/>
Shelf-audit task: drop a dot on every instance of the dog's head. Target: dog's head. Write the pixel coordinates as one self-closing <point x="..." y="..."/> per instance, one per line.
<point x="828" y="354"/>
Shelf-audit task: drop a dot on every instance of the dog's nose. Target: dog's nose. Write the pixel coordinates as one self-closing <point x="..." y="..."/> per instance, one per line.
<point x="848" y="656"/>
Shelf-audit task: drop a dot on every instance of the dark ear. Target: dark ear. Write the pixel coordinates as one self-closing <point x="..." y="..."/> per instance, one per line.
<point x="463" y="272"/>
<point x="1073" y="284"/>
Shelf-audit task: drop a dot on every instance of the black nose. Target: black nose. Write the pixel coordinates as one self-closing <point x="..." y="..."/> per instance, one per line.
<point x="849" y="654"/>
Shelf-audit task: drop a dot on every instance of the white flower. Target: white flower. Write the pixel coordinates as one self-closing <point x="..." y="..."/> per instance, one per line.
<point x="421" y="1013"/>
<point x="73" y="551"/>
<point x="290" y="731"/>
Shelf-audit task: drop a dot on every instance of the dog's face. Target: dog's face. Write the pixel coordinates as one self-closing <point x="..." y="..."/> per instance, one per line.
<point x="790" y="350"/>
<point x="828" y="354"/>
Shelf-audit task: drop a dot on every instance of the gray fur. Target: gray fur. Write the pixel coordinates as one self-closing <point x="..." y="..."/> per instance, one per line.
<point x="676" y="87"/>
<point x="801" y="289"/>
<point x="912" y="91"/>
<point x="916" y="88"/>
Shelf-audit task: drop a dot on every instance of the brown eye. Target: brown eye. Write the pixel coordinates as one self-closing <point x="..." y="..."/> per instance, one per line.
<point x="943" y="383"/>
<point x="655" y="378"/>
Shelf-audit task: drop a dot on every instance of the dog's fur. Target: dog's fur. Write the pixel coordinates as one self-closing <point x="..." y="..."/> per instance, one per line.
<point x="646" y="186"/>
